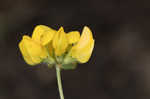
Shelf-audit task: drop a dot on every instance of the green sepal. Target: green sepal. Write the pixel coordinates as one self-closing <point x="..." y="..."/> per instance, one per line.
<point x="60" y="59"/>
<point x="69" y="63"/>
<point x="50" y="62"/>
<point x="69" y="60"/>
<point x="69" y="66"/>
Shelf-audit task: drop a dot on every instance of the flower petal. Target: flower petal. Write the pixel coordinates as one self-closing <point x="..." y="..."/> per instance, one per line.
<point x="60" y="42"/>
<point x="25" y="54"/>
<point x="73" y="37"/>
<point x="32" y="51"/>
<point x="83" y="49"/>
<point x="43" y="34"/>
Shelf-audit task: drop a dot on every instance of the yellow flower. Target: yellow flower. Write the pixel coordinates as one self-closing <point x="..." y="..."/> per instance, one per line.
<point x="57" y="47"/>
<point x="43" y="34"/>
<point x="32" y="51"/>
<point x="73" y="37"/>
<point x="60" y="42"/>
<point x="83" y="49"/>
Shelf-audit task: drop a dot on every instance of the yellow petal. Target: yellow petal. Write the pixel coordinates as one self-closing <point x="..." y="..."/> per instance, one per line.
<point x="73" y="37"/>
<point x="32" y="50"/>
<point x="43" y="34"/>
<point x="60" y="42"/>
<point x="83" y="49"/>
<point x="25" y="54"/>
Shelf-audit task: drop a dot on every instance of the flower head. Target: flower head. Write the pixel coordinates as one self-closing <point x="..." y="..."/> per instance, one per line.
<point x="57" y="47"/>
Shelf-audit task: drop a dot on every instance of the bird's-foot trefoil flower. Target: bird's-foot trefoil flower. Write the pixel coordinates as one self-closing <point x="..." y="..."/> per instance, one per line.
<point x="57" y="48"/>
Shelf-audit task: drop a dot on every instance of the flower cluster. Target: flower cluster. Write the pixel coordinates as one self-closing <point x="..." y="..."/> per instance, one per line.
<point x="57" y="47"/>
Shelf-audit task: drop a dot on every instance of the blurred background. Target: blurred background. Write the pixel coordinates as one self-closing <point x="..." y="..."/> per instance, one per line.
<point x="120" y="64"/>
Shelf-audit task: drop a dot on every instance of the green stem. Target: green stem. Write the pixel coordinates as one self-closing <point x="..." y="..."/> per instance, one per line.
<point x="59" y="82"/>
